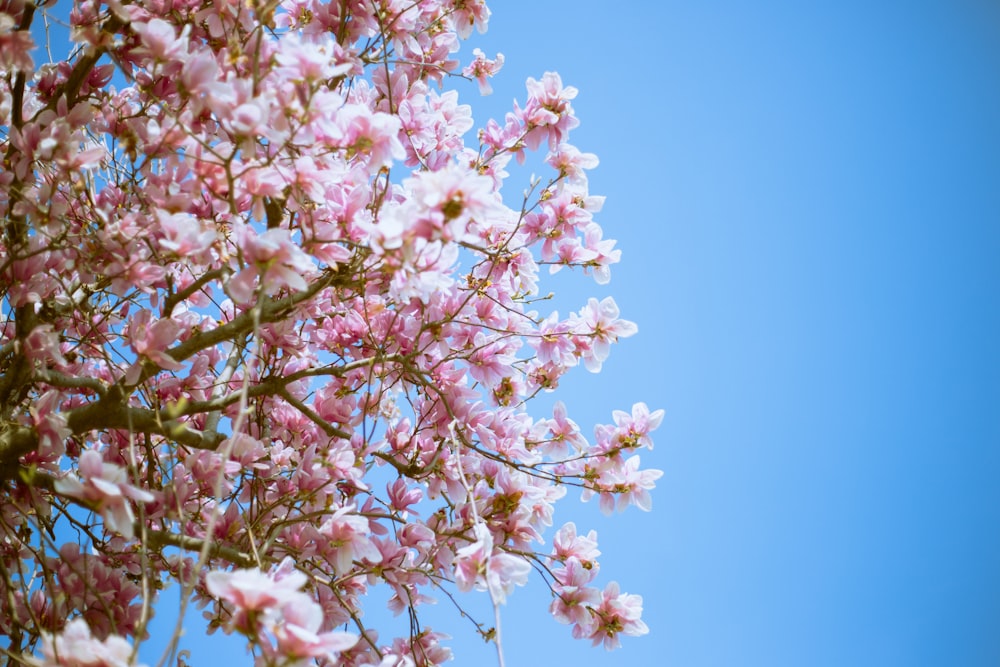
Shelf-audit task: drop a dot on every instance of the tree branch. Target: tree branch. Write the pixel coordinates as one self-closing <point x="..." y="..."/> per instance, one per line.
<point x="327" y="427"/>
<point x="156" y="539"/>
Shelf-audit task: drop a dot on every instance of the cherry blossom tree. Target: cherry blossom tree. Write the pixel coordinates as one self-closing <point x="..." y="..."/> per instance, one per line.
<point x="270" y="333"/>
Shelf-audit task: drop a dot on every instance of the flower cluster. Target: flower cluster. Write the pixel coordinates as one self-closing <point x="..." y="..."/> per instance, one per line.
<point x="601" y="616"/>
<point x="106" y="489"/>
<point x="271" y="605"/>
<point x="271" y="332"/>
<point x="76" y="647"/>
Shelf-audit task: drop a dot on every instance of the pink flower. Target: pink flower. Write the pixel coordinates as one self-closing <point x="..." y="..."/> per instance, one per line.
<point x="504" y="572"/>
<point x="567" y="544"/>
<point x="252" y="590"/>
<point x="276" y="600"/>
<point x="249" y="119"/>
<point x="374" y="135"/>
<point x="604" y="253"/>
<point x="183" y="234"/>
<point x="105" y="486"/>
<point x="152" y="341"/>
<point x="160" y="41"/>
<point x="200" y="75"/>
<point x="470" y="560"/>
<point x="348" y="539"/>
<point x="600" y="322"/>
<point x="401" y="496"/>
<point x="75" y="647"/>
<point x="310" y="59"/>
<point x="547" y="115"/>
<point x="298" y="634"/>
<point x="481" y="68"/>
<point x="42" y="346"/>
<point x="625" y="485"/>
<point x="478" y="565"/>
<point x="634" y="429"/>
<point x="553" y="343"/>
<point x="444" y="203"/>
<point x="570" y="163"/>
<point x="426" y="646"/>
<point x="15" y="46"/>
<point x="274" y="258"/>
<point x="470" y="14"/>
<point x="561" y="432"/>
<point x="50" y="425"/>
<point x="635" y="485"/>
<point x="617" y="614"/>
<point x="491" y="361"/>
<point x="573" y="597"/>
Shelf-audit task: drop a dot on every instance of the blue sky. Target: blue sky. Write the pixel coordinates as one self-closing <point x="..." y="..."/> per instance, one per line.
<point x="807" y="196"/>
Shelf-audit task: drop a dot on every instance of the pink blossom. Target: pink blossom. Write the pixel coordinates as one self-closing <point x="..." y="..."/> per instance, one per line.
<point x="552" y="344"/>
<point x="568" y="544"/>
<point x="75" y="647"/>
<point x="307" y="59"/>
<point x="184" y="234"/>
<point x="252" y="590"/>
<point x="444" y="203"/>
<point x="470" y="560"/>
<point x="599" y="321"/>
<point x="402" y="495"/>
<point x="105" y="486"/>
<point x="298" y="634"/>
<point x="617" y="614"/>
<point x="347" y="535"/>
<point x="478" y="564"/>
<point x="426" y="646"/>
<point x="504" y="572"/>
<point x="548" y="114"/>
<point x="604" y="253"/>
<point x="470" y="14"/>
<point x="571" y="163"/>
<point x="15" y="47"/>
<point x="50" y="425"/>
<point x="372" y="135"/>
<point x="561" y="433"/>
<point x="573" y="598"/>
<point x="634" y="428"/>
<point x="272" y="257"/>
<point x="160" y="39"/>
<point x="625" y="485"/>
<point x="249" y="119"/>
<point x="42" y="346"/>
<point x="482" y="68"/>
<point x="151" y="341"/>
<point x="200" y="75"/>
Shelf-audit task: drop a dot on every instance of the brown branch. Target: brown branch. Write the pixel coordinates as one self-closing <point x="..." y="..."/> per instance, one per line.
<point x="17" y="101"/>
<point x="57" y="379"/>
<point x="156" y="539"/>
<point x="17" y="441"/>
<point x="328" y="428"/>
<point x="172" y="300"/>
<point x="101" y="415"/>
<point x="272" y="310"/>
<point x="71" y="88"/>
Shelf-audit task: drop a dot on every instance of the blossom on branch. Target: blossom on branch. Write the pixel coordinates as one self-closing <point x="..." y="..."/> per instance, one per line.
<point x="106" y="487"/>
<point x="274" y="323"/>
<point x="76" y="647"/>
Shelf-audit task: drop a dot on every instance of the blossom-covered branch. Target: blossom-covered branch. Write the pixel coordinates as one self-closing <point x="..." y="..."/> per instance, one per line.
<point x="268" y="332"/>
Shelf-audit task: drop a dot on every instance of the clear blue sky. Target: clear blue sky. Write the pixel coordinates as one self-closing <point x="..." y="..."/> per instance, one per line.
<point x="807" y="195"/>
